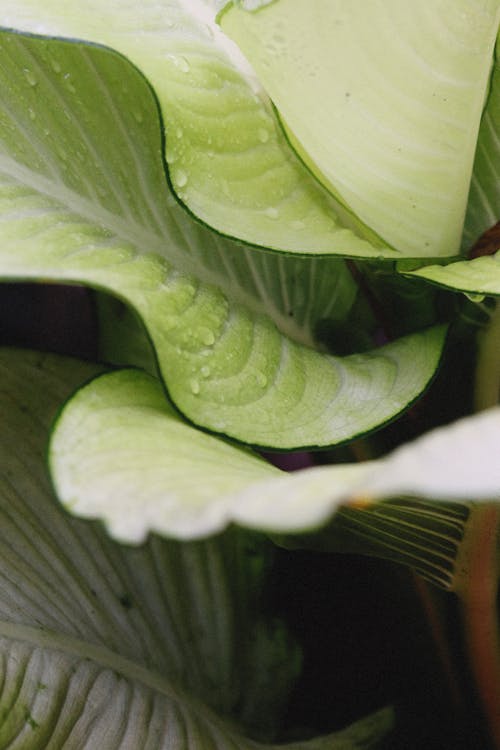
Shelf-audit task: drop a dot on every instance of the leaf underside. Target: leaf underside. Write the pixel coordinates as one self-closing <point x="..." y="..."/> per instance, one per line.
<point x="115" y="647"/>
<point x="120" y="453"/>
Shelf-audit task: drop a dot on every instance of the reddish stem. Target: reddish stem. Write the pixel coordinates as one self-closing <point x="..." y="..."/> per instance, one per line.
<point x="477" y="586"/>
<point x="488" y="243"/>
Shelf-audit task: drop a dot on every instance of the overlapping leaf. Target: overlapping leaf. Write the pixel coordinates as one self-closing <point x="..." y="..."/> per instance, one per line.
<point x="382" y="102"/>
<point x="83" y="198"/>
<point x="482" y="274"/>
<point x="229" y="161"/>
<point x="120" y="453"/>
<point x="114" y="647"/>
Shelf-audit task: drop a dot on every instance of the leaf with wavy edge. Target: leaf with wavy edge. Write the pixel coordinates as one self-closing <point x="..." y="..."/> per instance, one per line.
<point x="58" y="132"/>
<point x="115" y="647"/>
<point x="120" y="453"/>
<point x="382" y="101"/>
<point x="71" y="211"/>
<point x="229" y="161"/>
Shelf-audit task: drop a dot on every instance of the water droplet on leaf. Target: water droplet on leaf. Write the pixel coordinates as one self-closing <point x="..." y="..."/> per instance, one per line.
<point x="261" y="379"/>
<point x="475" y="297"/>
<point x="180" y="178"/>
<point x="30" y="77"/>
<point x="195" y="386"/>
<point x="207" y="337"/>
<point x="272" y="212"/>
<point x="183" y="64"/>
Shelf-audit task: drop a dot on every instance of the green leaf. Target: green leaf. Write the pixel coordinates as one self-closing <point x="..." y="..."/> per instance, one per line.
<point x="480" y="275"/>
<point x="83" y="199"/>
<point x="382" y="102"/>
<point x="483" y="208"/>
<point x="477" y="276"/>
<point x="228" y="159"/>
<point x="120" y="453"/>
<point x="115" y="647"/>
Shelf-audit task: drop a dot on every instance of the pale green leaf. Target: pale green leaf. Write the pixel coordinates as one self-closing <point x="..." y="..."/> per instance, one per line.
<point x="121" y="648"/>
<point x="83" y="199"/>
<point x="382" y="101"/>
<point x="228" y="159"/>
<point x="478" y="276"/>
<point x="483" y="208"/>
<point x="120" y="453"/>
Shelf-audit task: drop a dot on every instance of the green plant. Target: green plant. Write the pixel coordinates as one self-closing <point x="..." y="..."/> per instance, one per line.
<point x="298" y="247"/>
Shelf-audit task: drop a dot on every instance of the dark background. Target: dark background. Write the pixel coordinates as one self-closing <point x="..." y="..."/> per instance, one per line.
<point x="362" y="623"/>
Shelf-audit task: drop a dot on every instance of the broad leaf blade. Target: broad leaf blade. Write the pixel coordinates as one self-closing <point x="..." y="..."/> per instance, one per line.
<point x="483" y="208"/>
<point x="90" y="219"/>
<point x="143" y="469"/>
<point x="228" y="159"/>
<point x="394" y="132"/>
<point x="480" y="275"/>
<point x="116" y="647"/>
<point x="477" y="276"/>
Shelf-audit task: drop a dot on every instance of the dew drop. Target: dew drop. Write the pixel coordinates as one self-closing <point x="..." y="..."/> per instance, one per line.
<point x="69" y="84"/>
<point x="183" y="64"/>
<point x="272" y="212"/>
<point x="180" y="62"/>
<point x="32" y="114"/>
<point x="261" y="379"/>
<point x="138" y="116"/>
<point x="195" y="386"/>
<point x="30" y="77"/>
<point x="208" y="337"/>
<point x="179" y="132"/>
<point x="55" y="66"/>
<point x="180" y="178"/>
<point x="263" y="135"/>
<point x="205" y="371"/>
<point x="474" y="297"/>
<point x="172" y="156"/>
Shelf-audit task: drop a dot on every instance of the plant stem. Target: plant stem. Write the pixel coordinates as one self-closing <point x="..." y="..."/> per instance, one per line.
<point x="477" y="586"/>
<point x="487" y="377"/>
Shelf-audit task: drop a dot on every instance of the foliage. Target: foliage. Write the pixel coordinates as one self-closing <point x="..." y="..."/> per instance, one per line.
<point x="288" y="238"/>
